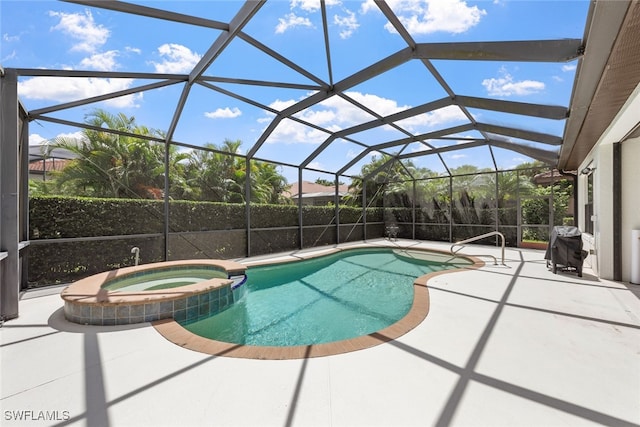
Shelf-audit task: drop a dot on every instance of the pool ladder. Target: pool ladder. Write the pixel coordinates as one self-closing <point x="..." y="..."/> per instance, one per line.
<point x="473" y="239"/>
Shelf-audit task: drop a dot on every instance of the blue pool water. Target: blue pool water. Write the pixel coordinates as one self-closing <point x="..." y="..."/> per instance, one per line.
<point x="332" y="298"/>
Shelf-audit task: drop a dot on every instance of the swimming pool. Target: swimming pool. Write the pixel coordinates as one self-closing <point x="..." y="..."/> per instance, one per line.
<point x="331" y="298"/>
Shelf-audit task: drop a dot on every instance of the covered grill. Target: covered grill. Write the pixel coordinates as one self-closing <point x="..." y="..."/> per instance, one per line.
<point x="565" y="249"/>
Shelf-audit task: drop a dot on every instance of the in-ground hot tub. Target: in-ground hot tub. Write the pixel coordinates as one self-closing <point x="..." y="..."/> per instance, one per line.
<point x="182" y="290"/>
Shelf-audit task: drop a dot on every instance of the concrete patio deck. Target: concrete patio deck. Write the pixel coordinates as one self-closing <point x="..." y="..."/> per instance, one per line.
<point x="515" y="345"/>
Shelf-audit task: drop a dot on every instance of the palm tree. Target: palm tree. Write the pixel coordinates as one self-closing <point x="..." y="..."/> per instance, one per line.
<point x="393" y="171"/>
<point x="267" y="184"/>
<point x="114" y="165"/>
<point x="211" y="171"/>
<point x="220" y="175"/>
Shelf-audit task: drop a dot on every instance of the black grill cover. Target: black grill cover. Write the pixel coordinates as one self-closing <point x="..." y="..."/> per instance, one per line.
<point x="565" y="248"/>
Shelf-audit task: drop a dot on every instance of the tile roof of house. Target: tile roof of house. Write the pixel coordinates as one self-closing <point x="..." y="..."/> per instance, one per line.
<point x="550" y="176"/>
<point x="47" y="165"/>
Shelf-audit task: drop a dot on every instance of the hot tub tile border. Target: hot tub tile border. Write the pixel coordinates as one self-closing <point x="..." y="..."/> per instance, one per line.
<point x="87" y="303"/>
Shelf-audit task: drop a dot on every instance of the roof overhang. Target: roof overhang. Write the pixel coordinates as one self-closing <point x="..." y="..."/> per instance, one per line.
<point x="607" y="74"/>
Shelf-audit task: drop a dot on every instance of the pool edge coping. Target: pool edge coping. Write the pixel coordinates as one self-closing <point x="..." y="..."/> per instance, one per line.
<point x="90" y="291"/>
<point x="175" y="333"/>
<point x="87" y="302"/>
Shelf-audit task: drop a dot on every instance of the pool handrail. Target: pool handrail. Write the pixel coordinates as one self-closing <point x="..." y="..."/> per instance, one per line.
<point x="473" y="239"/>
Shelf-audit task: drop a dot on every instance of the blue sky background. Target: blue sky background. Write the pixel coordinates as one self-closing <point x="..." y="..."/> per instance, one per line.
<point x="57" y="35"/>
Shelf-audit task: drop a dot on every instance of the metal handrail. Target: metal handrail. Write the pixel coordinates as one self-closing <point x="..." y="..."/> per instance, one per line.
<point x="482" y="236"/>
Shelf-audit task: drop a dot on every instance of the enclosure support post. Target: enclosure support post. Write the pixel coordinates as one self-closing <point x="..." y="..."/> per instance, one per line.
<point x="450" y="209"/>
<point x="364" y="208"/>
<point x="9" y="196"/>
<point x="519" y="210"/>
<point x="247" y="203"/>
<point x="166" y="198"/>
<point x="497" y="210"/>
<point x="300" y="224"/>
<point x="337" y="210"/>
<point x="413" y="211"/>
<point x="23" y="209"/>
<point x="552" y="219"/>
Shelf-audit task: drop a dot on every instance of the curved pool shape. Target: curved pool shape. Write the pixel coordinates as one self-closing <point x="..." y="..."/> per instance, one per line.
<point x="327" y="305"/>
<point x="181" y="290"/>
<point x="331" y="298"/>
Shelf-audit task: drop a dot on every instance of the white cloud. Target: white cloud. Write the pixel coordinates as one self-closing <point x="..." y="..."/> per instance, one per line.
<point x="419" y="148"/>
<point x="382" y="106"/>
<point x="431" y="16"/>
<point x="348" y="24"/>
<point x="457" y="156"/>
<point x="10" y="56"/>
<point x="291" y="20"/>
<point x="267" y="119"/>
<point x="569" y="67"/>
<point x="505" y="85"/>
<point x="73" y="135"/>
<point x="224" y="113"/>
<point x="82" y="28"/>
<point x="176" y="59"/>
<point x="291" y="132"/>
<point x="367" y="6"/>
<point x="434" y="118"/>
<point x="307" y="5"/>
<point x="316" y="165"/>
<point x="280" y="105"/>
<point x="437" y="144"/>
<point x="133" y="49"/>
<point x="105" y="61"/>
<point x="335" y="114"/>
<point x="64" y="89"/>
<point x="36" y="139"/>
<point x="352" y="154"/>
<point x="312" y="5"/>
<point x="326" y="118"/>
<point x="89" y="36"/>
<point x="9" y="39"/>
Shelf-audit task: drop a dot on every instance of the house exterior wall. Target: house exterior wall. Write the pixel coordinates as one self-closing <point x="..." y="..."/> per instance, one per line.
<point x="601" y="243"/>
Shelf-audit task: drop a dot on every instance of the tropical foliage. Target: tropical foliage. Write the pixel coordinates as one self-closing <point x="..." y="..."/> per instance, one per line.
<point x="469" y="196"/>
<point x="128" y="161"/>
<point x="117" y="164"/>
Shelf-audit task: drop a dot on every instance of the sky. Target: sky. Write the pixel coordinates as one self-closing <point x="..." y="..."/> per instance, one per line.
<point x="58" y="35"/>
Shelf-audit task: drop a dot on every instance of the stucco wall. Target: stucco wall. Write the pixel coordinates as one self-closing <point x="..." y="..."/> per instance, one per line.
<point x="601" y="157"/>
<point x="630" y="200"/>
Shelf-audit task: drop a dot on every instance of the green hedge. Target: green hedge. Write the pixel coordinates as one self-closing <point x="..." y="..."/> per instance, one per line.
<point x="200" y="216"/>
<point x="198" y="230"/>
<point x="56" y="217"/>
